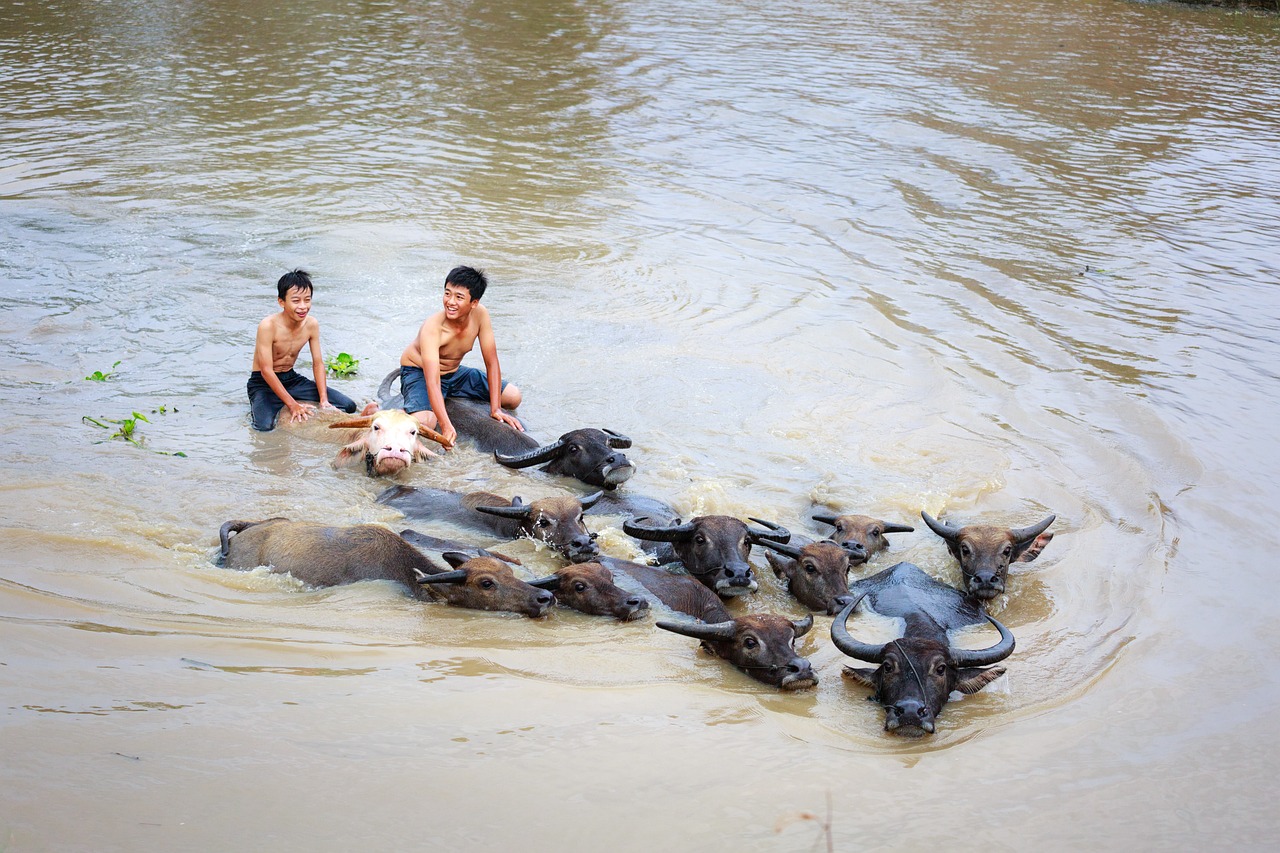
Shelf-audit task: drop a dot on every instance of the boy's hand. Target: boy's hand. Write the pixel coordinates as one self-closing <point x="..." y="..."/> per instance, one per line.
<point x="299" y="412"/>
<point x="450" y="433"/>
<point x="509" y="420"/>
<point x="326" y="405"/>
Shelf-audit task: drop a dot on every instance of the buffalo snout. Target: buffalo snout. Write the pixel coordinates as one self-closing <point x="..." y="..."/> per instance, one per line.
<point x="909" y="718"/>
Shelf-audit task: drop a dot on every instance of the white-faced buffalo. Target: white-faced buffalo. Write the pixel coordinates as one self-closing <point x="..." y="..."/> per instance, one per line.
<point x="817" y="573"/>
<point x="986" y="550"/>
<point x="556" y="521"/>
<point x="862" y="535"/>
<point x="332" y="556"/>
<point x="761" y="645"/>
<point x="712" y="548"/>
<point x="387" y="442"/>
<point x="915" y="675"/>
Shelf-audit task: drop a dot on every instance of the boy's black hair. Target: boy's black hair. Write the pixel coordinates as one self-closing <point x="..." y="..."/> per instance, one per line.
<point x="470" y="278"/>
<point x="300" y="279"/>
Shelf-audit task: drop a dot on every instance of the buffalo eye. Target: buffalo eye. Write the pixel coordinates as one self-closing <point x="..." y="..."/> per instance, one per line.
<point x="700" y="539"/>
<point x="810" y="568"/>
<point x="579" y="587"/>
<point x="839" y="527"/>
<point x="750" y="643"/>
<point x="965" y="550"/>
<point x="1006" y="551"/>
<point x="573" y="448"/>
<point x="940" y="669"/>
<point x="542" y="522"/>
<point x="890" y="666"/>
<point x="486" y="584"/>
<point x="874" y="532"/>
<point x="377" y="427"/>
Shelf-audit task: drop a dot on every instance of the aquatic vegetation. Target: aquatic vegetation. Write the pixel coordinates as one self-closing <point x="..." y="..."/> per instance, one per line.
<point x="127" y="429"/>
<point x="102" y="375"/>
<point x="342" y="365"/>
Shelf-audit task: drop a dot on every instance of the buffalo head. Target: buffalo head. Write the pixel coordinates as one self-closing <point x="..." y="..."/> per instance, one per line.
<point x="862" y="535"/>
<point x="589" y="588"/>
<point x="986" y="550"/>
<point x="916" y="675"/>
<point x="762" y="645"/>
<point x="557" y="521"/>
<point x="817" y="574"/>
<point x="485" y="583"/>
<point x="388" y="442"/>
<point x="713" y="548"/>
<point x="589" y="455"/>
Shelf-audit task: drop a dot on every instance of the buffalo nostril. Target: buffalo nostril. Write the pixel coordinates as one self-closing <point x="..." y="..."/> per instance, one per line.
<point x="636" y="601"/>
<point x="545" y="598"/>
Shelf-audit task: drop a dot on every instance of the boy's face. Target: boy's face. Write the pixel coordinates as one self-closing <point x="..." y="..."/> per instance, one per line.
<point x="457" y="301"/>
<point x="296" y="303"/>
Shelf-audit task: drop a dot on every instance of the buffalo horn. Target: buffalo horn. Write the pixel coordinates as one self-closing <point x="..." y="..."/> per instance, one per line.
<point x="791" y="551"/>
<point x="700" y="630"/>
<point x="946" y="531"/>
<point x="458" y="576"/>
<point x="824" y="517"/>
<point x="1026" y="534"/>
<point x="455" y="558"/>
<point x="802" y="626"/>
<point x="847" y="644"/>
<point x="677" y="533"/>
<point x="984" y="657"/>
<point x="590" y="500"/>
<point x="532" y="457"/>
<point x="775" y="533"/>
<point x="551" y="582"/>
<point x="616" y="440"/>
<point x="367" y="421"/>
<point x="517" y="511"/>
<point x="890" y="527"/>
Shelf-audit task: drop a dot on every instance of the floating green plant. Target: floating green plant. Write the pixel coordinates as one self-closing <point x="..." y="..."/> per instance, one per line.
<point x="103" y="375"/>
<point x="127" y="429"/>
<point x="342" y="365"/>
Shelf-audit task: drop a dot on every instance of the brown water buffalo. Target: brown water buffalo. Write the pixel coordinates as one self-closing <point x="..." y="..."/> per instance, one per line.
<point x="590" y="588"/>
<point x="678" y="592"/>
<point x="916" y="674"/>
<point x="986" y="550"/>
<point x="387" y="442"/>
<point x="332" y="556"/>
<point x="556" y="521"/>
<point x="762" y="645"/>
<point x="862" y="535"/>
<point x="817" y="573"/>
<point x="712" y="548"/>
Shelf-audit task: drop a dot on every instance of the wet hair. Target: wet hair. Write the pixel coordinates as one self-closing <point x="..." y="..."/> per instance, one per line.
<point x="300" y="279"/>
<point x="470" y="278"/>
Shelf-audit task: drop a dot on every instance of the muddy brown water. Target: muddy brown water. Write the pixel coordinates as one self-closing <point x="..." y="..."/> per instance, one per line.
<point x="990" y="261"/>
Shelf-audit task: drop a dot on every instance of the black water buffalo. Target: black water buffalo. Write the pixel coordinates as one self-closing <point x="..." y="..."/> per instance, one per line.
<point x="332" y="556"/>
<point x="862" y="535"/>
<point x="556" y="521"/>
<point x="761" y="645"/>
<point x="916" y="674"/>
<point x="986" y="550"/>
<point x="712" y="548"/>
<point x="817" y="573"/>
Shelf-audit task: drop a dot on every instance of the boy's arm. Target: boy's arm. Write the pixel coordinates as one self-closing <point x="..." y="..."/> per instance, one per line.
<point x="317" y="364"/>
<point x="264" y="364"/>
<point x="489" y="350"/>
<point x="429" y="348"/>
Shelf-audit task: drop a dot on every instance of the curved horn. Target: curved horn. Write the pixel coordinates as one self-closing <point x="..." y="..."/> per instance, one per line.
<point x="825" y="517"/>
<point x="847" y="644"/>
<point x="1025" y="534"/>
<point x="890" y="527"/>
<point x="384" y="389"/>
<point x="946" y="531"/>
<point x="677" y="533"/>
<point x="802" y="626"/>
<point x="518" y="512"/>
<point x="700" y="630"/>
<point x="455" y="558"/>
<point x="983" y="657"/>
<point x="459" y="576"/>
<point x="354" y="423"/>
<point x="551" y="582"/>
<point x="590" y="500"/>
<point x="791" y="551"/>
<point x="775" y="533"/>
<point x="616" y="440"/>
<point x="532" y="457"/>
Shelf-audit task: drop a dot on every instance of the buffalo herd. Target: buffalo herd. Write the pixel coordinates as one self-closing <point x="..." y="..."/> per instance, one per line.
<point x="701" y="565"/>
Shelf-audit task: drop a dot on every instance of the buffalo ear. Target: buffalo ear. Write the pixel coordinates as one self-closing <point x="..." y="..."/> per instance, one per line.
<point x="865" y="677"/>
<point x="973" y="680"/>
<point x="779" y="565"/>
<point x="421" y="451"/>
<point x="1034" y="549"/>
<point x="351" y="451"/>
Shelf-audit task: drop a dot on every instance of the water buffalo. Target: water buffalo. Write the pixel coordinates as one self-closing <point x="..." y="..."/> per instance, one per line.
<point x="986" y="550"/>
<point x="712" y="548"/>
<point x="916" y="674"/>
<point x="863" y="535"/>
<point x="678" y="592"/>
<point x="556" y="521"/>
<point x="332" y="556"/>
<point x="589" y="455"/>
<point x="387" y="442"/>
<point x="817" y="573"/>
<point x="762" y="645"/>
<point x="590" y="588"/>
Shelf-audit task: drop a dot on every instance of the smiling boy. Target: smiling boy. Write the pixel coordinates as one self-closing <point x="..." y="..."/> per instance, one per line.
<point x="431" y="365"/>
<point x="274" y="384"/>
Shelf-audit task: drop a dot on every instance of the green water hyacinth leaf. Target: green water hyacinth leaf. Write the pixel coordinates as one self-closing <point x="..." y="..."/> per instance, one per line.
<point x="342" y="365"/>
<point x="102" y="375"/>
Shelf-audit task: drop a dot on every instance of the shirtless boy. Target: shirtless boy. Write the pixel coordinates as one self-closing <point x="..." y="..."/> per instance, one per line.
<point x="431" y="366"/>
<point x="274" y="384"/>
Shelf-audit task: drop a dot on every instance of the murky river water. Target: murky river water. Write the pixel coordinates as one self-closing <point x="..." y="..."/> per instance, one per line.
<point x="993" y="261"/>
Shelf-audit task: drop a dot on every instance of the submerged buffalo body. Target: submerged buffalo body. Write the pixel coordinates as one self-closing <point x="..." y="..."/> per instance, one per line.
<point x="332" y="556"/>
<point x="555" y="521"/>
<point x="986" y="550"/>
<point x="712" y="548"/>
<point x="915" y="675"/>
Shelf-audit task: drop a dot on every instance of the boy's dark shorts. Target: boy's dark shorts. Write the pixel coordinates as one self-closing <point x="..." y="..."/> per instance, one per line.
<point x="464" y="382"/>
<point x="264" y="405"/>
